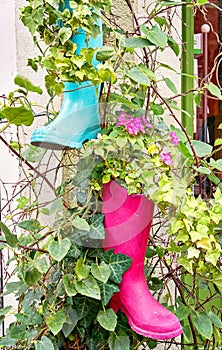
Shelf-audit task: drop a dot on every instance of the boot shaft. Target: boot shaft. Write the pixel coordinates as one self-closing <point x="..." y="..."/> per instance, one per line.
<point x="127" y="221"/>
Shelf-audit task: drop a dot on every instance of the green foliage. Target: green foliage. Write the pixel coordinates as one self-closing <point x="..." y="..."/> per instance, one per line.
<point x="64" y="279"/>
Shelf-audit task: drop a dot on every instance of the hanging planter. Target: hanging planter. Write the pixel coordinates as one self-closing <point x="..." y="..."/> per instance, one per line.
<point x="79" y="118"/>
<point x="127" y="221"/>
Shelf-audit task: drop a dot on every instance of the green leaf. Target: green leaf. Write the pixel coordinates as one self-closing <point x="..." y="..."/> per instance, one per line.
<point x="218" y="142"/>
<point x="197" y="98"/>
<point x="22" y="202"/>
<point x="187" y="264"/>
<point x="173" y="45"/>
<point x="202" y="149"/>
<point x="97" y="230"/>
<point x="215" y="319"/>
<point x="32" y="225"/>
<point x="59" y="249"/>
<point x="44" y="344"/>
<point x="217" y="280"/>
<point x="88" y="287"/>
<point x="81" y="224"/>
<point x="7" y="341"/>
<point x="69" y="286"/>
<point x="71" y="321"/>
<point x="56" y="206"/>
<point x="81" y="270"/>
<point x="155" y="35"/>
<point x="213" y="256"/>
<point x="119" y="342"/>
<point x="136" y="42"/>
<point x="156" y="108"/>
<point x="17" y="115"/>
<point x="105" y="53"/>
<point x="150" y="252"/>
<point x="83" y="305"/>
<point x="25" y="83"/>
<point x="214" y="90"/>
<point x="107" y="291"/>
<point x="119" y="264"/>
<point x="170" y="84"/>
<point x="10" y="238"/>
<point x="101" y="272"/>
<point x="138" y="76"/>
<point x="5" y="310"/>
<point x="32" y="275"/>
<point x="56" y="321"/>
<point x="182" y="312"/>
<point x="107" y="319"/>
<point x="64" y="34"/>
<point x="203" y="325"/>
<point x="202" y="170"/>
<point x="147" y="71"/>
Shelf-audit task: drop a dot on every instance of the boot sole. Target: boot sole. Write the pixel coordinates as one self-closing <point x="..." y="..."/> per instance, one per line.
<point x="149" y="334"/>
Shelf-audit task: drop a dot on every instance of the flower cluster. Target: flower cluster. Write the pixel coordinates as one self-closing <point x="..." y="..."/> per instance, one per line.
<point x="133" y="124"/>
<point x="174" y="138"/>
<point x="139" y="155"/>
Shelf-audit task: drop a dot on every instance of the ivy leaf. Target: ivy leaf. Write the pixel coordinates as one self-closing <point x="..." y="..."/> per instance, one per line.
<point x="25" y="83"/>
<point x="64" y="34"/>
<point x="107" y="291"/>
<point x="59" y="249"/>
<point x="10" y="238"/>
<point x="203" y="325"/>
<point x="81" y="224"/>
<point x="44" y="344"/>
<point x="81" y="270"/>
<point x="17" y="115"/>
<point x="97" y="230"/>
<point x="71" y="321"/>
<point x="32" y="275"/>
<point x="119" y="342"/>
<point x="69" y="286"/>
<point x="187" y="264"/>
<point x="83" y="305"/>
<point x="56" y="321"/>
<point x="32" y="225"/>
<point x="107" y="319"/>
<point x="5" y="310"/>
<point x="101" y="272"/>
<point x="212" y="256"/>
<point x="155" y="35"/>
<point x="119" y="264"/>
<point x="88" y="287"/>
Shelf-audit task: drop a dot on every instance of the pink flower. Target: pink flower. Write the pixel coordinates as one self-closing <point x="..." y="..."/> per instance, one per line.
<point x="133" y="124"/>
<point x="148" y="125"/>
<point x="174" y="138"/>
<point x="166" y="158"/>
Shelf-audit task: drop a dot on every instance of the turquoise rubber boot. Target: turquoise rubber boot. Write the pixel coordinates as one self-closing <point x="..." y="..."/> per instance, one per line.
<point x="79" y="118"/>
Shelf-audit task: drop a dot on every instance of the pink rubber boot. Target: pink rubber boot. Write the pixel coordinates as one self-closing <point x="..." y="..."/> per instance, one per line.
<point x="127" y="223"/>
